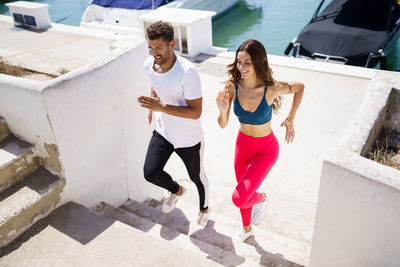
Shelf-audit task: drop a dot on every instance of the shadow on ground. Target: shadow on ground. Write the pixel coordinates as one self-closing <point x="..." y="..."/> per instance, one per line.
<point x="72" y="219"/>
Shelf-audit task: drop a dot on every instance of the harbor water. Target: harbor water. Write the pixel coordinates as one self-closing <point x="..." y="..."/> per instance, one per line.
<point x="273" y="22"/>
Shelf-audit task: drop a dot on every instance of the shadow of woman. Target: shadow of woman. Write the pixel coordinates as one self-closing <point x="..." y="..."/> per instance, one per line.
<point x="268" y="258"/>
<point x="219" y="247"/>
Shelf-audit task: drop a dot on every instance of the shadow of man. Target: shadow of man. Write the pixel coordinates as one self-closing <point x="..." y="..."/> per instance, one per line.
<point x="172" y="224"/>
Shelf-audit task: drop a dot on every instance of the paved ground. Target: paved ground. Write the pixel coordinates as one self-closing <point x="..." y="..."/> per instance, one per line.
<point x="74" y="235"/>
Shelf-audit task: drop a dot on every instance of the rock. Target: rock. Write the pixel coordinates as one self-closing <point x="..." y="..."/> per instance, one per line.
<point x="393" y="139"/>
<point x="396" y="159"/>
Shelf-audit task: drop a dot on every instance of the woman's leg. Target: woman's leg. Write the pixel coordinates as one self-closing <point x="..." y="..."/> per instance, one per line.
<point x="241" y="165"/>
<point x="245" y="195"/>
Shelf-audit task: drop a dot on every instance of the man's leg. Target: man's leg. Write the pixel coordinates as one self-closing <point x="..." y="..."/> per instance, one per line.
<point x="193" y="159"/>
<point x="158" y="153"/>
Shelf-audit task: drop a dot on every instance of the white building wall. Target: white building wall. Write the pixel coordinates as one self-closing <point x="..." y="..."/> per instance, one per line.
<point x="358" y="213"/>
<point x="93" y="117"/>
<point x="101" y="130"/>
<point x="357" y="221"/>
<point x="21" y="104"/>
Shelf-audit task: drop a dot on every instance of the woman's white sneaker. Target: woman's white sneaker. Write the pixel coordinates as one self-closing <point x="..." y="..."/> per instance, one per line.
<point x="259" y="211"/>
<point x="243" y="235"/>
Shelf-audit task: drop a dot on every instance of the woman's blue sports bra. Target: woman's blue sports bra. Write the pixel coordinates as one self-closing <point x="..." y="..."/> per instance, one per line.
<point x="261" y="115"/>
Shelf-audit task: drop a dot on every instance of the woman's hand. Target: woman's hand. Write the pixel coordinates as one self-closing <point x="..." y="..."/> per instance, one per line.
<point x="223" y="100"/>
<point x="288" y="123"/>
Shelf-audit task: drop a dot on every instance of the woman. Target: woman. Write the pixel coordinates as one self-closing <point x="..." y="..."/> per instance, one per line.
<point x="255" y="94"/>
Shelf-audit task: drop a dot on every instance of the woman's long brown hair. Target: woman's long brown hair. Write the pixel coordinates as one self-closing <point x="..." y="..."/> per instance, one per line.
<point x="259" y="60"/>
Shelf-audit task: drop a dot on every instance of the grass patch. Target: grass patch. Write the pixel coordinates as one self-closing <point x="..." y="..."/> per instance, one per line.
<point x="382" y="152"/>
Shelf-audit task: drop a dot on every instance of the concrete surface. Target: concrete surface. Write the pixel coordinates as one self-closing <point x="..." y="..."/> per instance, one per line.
<point x="73" y="235"/>
<point x="175" y="230"/>
<point x="16" y="161"/>
<point x="27" y="201"/>
<point x="217" y="234"/>
<point x="51" y="52"/>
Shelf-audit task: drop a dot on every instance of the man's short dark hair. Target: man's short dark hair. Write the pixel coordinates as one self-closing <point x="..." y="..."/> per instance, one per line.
<point x="160" y="29"/>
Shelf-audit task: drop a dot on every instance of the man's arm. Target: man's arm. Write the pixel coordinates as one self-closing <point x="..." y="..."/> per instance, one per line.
<point x="152" y="94"/>
<point x="191" y="111"/>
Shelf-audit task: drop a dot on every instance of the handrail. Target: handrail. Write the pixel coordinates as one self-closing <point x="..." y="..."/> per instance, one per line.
<point x="329" y="57"/>
<point x="317" y="10"/>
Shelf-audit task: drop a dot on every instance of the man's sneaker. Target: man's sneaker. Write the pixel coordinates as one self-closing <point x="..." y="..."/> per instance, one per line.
<point x="259" y="211"/>
<point x="170" y="202"/>
<point x="243" y="235"/>
<point x="203" y="217"/>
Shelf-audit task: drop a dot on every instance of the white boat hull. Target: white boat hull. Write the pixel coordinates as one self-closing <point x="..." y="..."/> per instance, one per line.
<point x="126" y="21"/>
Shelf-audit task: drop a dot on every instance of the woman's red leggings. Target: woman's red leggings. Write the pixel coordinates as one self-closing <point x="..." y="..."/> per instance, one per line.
<point x="254" y="158"/>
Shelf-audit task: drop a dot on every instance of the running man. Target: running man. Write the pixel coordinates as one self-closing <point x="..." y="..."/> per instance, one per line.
<point x="176" y="94"/>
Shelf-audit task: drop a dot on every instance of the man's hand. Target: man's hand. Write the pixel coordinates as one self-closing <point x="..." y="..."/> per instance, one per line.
<point x="151" y="103"/>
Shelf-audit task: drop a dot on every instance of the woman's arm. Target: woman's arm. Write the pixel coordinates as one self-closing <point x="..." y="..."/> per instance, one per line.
<point x="224" y="101"/>
<point x="296" y="88"/>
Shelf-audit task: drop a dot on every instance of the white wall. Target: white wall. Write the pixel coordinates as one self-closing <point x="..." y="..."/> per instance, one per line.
<point x="21" y="104"/>
<point x="101" y="130"/>
<point x="357" y="221"/>
<point x="92" y="115"/>
<point x="358" y="213"/>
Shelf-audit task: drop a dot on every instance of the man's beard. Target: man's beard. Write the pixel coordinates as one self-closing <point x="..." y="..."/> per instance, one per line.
<point x="164" y="59"/>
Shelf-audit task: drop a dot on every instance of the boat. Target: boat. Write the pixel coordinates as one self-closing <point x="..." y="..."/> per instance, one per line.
<point x="351" y="32"/>
<point x="122" y="16"/>
<point x="220" y="7"/>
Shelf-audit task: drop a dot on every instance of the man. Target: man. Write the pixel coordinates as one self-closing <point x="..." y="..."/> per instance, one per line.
<point x="176" y="94"/>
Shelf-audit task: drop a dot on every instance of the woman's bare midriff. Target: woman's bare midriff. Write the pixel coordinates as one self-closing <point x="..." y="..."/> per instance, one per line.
<point x="256" y="130"/>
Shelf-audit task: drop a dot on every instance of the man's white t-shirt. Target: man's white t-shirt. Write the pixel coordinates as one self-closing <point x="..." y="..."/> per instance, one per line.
<point x="181" y="82"/>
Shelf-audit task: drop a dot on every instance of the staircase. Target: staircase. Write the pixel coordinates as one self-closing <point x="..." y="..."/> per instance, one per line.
<point x="214" y="241"/>
<point x="28" y="191"/>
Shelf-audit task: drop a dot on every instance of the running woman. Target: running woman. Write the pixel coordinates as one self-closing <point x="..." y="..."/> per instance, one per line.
<point x="177" y="97"/>
<point x="255" y="95"/>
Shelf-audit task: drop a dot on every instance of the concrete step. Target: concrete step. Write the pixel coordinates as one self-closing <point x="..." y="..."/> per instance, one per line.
<point x="290" y="249"/>
<point x="4" y="132"/>
<point x="216" y="233"/>
<point x="176" y="238"/>
<point x="16" y="161"/>
<point x="268" y="234"/>
<point x="73" y="235"/>
<point x="288" y="219"/>
<point x="27" y="201"/>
